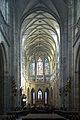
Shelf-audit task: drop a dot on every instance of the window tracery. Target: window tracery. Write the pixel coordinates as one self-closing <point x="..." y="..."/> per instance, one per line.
<point x="40" y="68"/>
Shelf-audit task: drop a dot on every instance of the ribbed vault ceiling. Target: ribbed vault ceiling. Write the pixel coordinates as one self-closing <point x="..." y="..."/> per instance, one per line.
<point x="40" y="35"/>
<point x="40" y="32"/>
<point x="39" y="29"/>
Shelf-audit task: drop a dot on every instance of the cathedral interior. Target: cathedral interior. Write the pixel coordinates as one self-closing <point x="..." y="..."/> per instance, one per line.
<point x="40" y="57"/>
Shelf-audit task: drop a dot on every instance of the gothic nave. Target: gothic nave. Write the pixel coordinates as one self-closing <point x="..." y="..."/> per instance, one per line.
<point x="40" y="57"/>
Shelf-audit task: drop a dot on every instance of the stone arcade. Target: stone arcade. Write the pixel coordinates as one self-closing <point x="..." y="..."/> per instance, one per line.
<point x="39" y="54"/>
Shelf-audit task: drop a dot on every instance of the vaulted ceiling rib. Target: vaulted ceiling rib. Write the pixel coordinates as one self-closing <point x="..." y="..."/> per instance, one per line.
<point x="39" y="30"/>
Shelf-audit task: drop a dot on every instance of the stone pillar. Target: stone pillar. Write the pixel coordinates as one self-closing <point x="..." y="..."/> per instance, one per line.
<point x="70" y="5"/>
<point x="63" y="60"/>
<point x="67" y="54"/>
<point x="16" y="54"/>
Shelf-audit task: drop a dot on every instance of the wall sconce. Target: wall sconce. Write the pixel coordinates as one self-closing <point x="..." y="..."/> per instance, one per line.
<point x="14" y="91"/>
<point x="23" y="100"/>
<point x="20" y="91"/>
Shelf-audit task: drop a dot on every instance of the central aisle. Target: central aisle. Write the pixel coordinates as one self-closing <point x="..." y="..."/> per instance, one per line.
<point x="42" y="116"/>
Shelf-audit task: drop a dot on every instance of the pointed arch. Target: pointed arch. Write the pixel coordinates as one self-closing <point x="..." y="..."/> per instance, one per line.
<point x="40" y="94"/>
<point x="33" y="96"/>
<point x="46" y="96"/>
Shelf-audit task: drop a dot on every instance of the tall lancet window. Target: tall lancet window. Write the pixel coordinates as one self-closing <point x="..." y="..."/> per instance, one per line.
<point x="47" y="67"/>
<point x="39" y="95"/>
<point x="46" y="97"/>
<point x="33" y="97"/>
<point x="39" y="67"/>
<point x="32" y="68"/>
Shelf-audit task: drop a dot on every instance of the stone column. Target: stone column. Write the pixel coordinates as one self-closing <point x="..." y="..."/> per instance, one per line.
<point x="67" y="54"/>
<point x="16" y="54"/>
<point x="70" y="5"/>
<point x="63" y="60"/>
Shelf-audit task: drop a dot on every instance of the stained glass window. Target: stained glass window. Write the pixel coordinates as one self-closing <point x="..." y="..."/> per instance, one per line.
<point x="39" y="67"/>
<point x="32" y="68"/>
<point x="47" y="68"/>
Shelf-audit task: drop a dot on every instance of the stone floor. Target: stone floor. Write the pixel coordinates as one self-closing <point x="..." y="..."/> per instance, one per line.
<point x="42" y="116"/>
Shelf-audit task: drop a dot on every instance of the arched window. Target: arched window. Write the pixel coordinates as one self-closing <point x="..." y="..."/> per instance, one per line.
<point x="33" y="96"/>
<point x="39" y="67"/>
<point x="39" y="95"/>
<point x="32" y="68"/>
<point x="46" y="95"/>
<point x="47" y="67"/>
